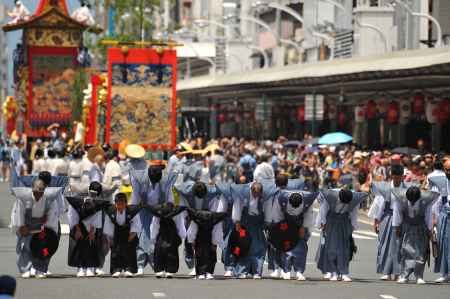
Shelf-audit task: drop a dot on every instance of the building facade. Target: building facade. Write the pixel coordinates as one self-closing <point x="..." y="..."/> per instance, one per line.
<point x="3" y="57"/>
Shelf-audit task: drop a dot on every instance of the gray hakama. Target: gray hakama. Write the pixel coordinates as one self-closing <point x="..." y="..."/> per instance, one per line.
<point x="415" y="222"/>
<point x="335" y="249"/>
<point x="441" y="211"/>
<point x="227" y="257"/>
<point x="250" y="213"/>
<point x="272" y="192"/>
<point x="442" y="262"/>
<point x="298" y="217"/>
<point x="388" y="245"/>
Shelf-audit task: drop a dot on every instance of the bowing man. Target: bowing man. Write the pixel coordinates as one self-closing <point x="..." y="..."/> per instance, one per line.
<point x="201" y="236"/>
<point x="167" y="232"/>
<point x="199" y="196"/>
<point x="296" y="211"/>
<point x="248" y="216"/>
<point x="381" y="211"/>
<point x="338" y="216"/>
<point x="150" y="188"/>
<point x="413" y="224"/>
<point x="84" y="220"/>
<point x="35" y="219"/>
<point x="122" y="225"/>
<point x="441" y="222"/>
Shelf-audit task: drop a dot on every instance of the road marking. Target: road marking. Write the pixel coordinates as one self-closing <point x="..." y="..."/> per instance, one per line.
<point x="355" y="236"/>
<point x="367" y="233"/>
<point x="159" y="295"/>
<point x="388" y="297"/>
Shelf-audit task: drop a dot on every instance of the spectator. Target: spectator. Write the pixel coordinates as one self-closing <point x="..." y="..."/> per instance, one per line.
<point x="7" y="287"/>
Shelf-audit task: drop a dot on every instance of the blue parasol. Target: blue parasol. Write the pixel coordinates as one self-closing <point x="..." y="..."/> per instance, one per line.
<point x="335" y="138"/>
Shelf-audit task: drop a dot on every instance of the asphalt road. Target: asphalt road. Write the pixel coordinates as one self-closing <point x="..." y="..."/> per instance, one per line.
<point x="63" y="284"/>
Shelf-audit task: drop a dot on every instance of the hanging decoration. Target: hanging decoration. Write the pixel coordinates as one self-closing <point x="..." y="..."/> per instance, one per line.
<point x="301" y="114"/>
<point x="359" y="114"/>
<point x="418" y="103"/>
<point x="432" y="111"/>
<point x="371" y="109"/>
<point x="332" y="111"/>
<point x="392" y="113"/>
<point x="405" y="111"/>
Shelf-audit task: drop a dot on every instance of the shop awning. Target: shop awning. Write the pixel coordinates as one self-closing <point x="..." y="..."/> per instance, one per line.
<point x="329" y="76"/>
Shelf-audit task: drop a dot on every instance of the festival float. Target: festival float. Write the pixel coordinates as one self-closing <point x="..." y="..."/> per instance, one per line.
<point x="46" y="63"/>
<point x="134" y="101"/>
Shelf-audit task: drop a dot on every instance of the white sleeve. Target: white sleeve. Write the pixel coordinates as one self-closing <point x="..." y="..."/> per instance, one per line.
<point x="154" y="230"/>
<point x="181" y="225"/>
<point x="98" y="222"/>
<point x="73" y="217"/>
<point x="136" y="225"/>
<point x="93" y="221"/>
<point x="217" y="235"/>
<point x="436" y="209"/>
<point x="192" y="232"/>
<point x="308" y="219"/>
<point x="377" y="207"/>
<point x="268" y="210"/>
<point x="397" y="217"/>
<point x="323" y="212"/>
<point x="108" y="228"/>
<point x="18" y="214"/>
<point x="429" y="216"/>
<point x="222" y="205"/>
<point x="236" y="213"/>
<point x="61" y="204"/>
<point x="53" y="217"/>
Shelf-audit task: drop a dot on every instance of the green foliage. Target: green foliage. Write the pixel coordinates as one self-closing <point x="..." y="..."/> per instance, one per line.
<point x="77" y="96"/>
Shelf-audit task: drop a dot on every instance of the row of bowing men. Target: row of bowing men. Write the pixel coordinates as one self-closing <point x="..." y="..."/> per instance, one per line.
<point x="272" y="218"/>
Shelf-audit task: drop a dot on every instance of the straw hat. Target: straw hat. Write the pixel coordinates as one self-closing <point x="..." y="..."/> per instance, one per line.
<point x="185" y="146"/>
<point x="135" y="151"/>
<point x="94" y="152"/>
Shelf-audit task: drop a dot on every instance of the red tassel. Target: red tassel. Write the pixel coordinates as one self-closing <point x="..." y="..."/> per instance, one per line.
<point x="237" y="251"/>
<point x="242" y="233"/>
<point x="45" y="252"/>
<point x="283" y="226"/>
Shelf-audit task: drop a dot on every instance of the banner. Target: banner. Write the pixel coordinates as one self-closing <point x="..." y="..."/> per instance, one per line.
<point x="51" y="78"/>
<point x="142" y="97"/>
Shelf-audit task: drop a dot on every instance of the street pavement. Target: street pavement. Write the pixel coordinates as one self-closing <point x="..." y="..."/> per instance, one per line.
<point x="63" y="283"/>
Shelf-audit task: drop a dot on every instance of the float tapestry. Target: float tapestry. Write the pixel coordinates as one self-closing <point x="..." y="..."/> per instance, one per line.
<point x="141" y="103"/>
<point x="52" y="78"/>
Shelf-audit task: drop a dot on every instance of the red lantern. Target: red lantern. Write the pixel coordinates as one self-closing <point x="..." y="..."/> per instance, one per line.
<point x="222" y="118"/>
<point x="359" y="114"/>
<point x="341" y="118"/>
<point x="444" y="111"/>
<point x="432" y="111"/>
<point x="418" y="103"/>
<point x="392" y="112"/>
<point x="371" y="109"/>
<point x="301" y="114"/>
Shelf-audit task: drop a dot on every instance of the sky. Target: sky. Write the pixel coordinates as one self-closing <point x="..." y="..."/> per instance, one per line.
<point x="15" y="37"/>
